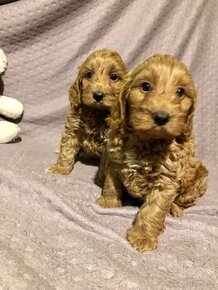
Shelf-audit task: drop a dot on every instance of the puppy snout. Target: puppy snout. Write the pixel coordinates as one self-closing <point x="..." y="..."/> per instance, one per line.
<point x="161" y="118"/>
<point x="98" y="96"/>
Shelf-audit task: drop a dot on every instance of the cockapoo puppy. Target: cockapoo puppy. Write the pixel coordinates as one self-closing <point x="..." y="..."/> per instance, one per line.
<point x="91" y="97"/>
<point x="150" y="148"/>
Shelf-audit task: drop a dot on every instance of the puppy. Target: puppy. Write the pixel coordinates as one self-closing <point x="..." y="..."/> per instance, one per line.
<point x="91" y="97"/>
<point x="150" y="148"/>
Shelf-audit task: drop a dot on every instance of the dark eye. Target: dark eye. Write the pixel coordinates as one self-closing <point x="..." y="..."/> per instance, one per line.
<point x="146" y="86"/>
<point x="180" y="92"/>
<point x="114" y="77"/>
<point x="89" y="75"/>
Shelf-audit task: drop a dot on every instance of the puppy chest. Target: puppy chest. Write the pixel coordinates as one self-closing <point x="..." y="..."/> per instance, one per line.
<point x="92" y="138"/>
<point x="138" y="181"/>
<point x="140" y="176"/>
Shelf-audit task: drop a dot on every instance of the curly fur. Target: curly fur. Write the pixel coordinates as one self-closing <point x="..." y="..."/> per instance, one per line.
<point x="87" y="118"/>
<point x="154" y="163"/>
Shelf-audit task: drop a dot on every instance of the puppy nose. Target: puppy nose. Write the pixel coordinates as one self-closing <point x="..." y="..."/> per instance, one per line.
<point x="161" y="118"/>
<point x="98" y="96"/>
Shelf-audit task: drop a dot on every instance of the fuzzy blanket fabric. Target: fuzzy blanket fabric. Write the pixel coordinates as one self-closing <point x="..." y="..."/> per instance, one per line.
<point x="52" y="234"/>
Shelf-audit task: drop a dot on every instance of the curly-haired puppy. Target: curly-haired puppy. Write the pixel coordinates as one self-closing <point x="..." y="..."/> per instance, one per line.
<point x="91" y="97"/>
<point x="151" y="149"/>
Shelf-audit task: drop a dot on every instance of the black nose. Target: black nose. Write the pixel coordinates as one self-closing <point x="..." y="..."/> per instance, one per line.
<point x="98" y="96"/>
<point x="161" y="118"/>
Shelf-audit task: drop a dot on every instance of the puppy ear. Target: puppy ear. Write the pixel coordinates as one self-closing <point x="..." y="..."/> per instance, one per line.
<point x="189" y="122"/>
<point x="119" y="110"/>
<point x="187" y="132"/>
<point x="3" y="61"/>
<point x="116" y="136"/>
<point x="75" y="94"/>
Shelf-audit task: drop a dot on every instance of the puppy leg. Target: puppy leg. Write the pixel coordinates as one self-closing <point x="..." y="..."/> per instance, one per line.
<point x="112" y="191"/>
<point x="100" y="176"/>
<point x="69" y="148"/>
<point x="195" y="187"/>
<point x="149" y="222"/>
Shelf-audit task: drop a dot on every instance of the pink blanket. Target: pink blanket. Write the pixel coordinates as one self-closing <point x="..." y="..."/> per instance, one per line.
<point x="52" y="235"/>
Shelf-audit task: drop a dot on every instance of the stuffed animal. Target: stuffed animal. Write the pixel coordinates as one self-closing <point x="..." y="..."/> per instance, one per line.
<point x="10" y="108"/>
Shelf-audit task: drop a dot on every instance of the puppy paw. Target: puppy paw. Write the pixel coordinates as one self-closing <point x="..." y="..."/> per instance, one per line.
<point x="186" y="200"/>
<point x="139" y="241"/>
<point x="57" y="169"/>
<point x="109" y="202"/>
<point x="175" y="210"/>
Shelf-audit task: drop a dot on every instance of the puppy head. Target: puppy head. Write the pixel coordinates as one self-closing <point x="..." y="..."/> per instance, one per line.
<point x="158" y="102"/>
<point x="99" y="80"/>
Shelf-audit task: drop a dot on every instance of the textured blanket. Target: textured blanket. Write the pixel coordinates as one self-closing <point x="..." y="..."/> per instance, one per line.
<point x="52" y="234"/>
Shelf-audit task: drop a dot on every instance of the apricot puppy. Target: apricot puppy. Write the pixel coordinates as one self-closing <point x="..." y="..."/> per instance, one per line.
<point x="91" y="97"/>
<point x="150" y="148"/>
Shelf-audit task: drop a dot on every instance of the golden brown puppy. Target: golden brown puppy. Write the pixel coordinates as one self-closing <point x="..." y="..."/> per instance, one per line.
<point x="150" y="148"/>
<point x="98" y="84"/>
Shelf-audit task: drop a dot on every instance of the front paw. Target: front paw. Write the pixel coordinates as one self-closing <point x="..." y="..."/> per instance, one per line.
<point x="139" y="241"/>
<point x="108" y="202"/>
<point x="176" y="211"/>
<point x="57" y="169"/>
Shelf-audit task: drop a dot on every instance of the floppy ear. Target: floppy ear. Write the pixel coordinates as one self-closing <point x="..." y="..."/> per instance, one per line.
<point x="189" y="122"/>
<point x="119" y="110"/>
<point x="75" y="94"/>
<point x="3" y="61"/>
<point x="117" y="133"/>
<point x="187" y="132"/>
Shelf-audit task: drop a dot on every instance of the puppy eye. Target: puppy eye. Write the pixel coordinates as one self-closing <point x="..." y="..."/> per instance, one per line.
<point x="146" y="86"/>
<point x="114" y="77"/>
<point x="88" y="75"/>
<point x="180" y="92"/>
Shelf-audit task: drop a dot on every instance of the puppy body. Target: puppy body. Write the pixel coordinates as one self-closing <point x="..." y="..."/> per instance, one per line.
<point x="150" y="148"/>
<point x="91" y="97"/>
<point x="150" y="165"/>
<point x="92" y="128"/>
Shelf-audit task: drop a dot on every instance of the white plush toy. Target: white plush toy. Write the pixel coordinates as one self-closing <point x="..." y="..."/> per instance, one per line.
<point x="9" y="107"/>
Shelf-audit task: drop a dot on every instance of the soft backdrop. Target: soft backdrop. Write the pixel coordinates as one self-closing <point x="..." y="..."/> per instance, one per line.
<point x="52" y="235"/>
